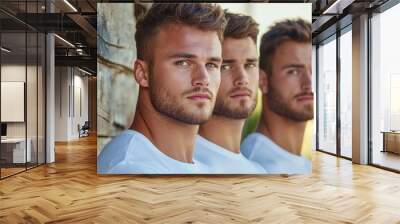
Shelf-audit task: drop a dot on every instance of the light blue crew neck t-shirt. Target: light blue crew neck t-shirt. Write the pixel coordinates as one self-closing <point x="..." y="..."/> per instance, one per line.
<point x="222" y="161"/>
<point x="132" y="153"/>
<point x="275" y="160"/>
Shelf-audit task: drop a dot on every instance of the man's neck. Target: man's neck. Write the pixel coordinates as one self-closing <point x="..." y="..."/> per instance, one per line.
<point x="286" y="133"/>
<point x="177" y="144"/>
<point x="225" y="132"/>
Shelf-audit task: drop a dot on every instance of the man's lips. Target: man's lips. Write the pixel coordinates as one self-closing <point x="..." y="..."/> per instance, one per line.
<point x="199" y="96"/>
<point x="240" y="94"/>
<point x="305" y="97"/>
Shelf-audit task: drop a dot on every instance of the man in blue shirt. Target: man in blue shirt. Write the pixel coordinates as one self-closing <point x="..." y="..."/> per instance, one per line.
<point x="285" y="81"/>
<point x="218" y="143"/>
<point x="178" y="72"/>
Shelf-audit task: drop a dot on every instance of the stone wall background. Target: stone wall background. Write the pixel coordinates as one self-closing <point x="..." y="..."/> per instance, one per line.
<point x="117" y="89"/>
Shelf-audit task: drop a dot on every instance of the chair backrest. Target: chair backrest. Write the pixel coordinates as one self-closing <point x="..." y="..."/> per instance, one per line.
<point x="86" y="125"/>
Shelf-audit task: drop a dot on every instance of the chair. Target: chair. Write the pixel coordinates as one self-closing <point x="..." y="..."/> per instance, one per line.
<point x="84" y="130"/>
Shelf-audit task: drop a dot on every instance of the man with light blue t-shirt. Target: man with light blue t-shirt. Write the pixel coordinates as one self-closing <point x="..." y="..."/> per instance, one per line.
<point x="285" y="81"/>
<point x="218" y="143"/>
<point x="178" y="72"/>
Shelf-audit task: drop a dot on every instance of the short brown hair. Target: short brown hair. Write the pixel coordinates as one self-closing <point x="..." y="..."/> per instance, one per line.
<point x="204" y="16"/>
<point x="297" y="30"/>
<point x="241" y="26"/>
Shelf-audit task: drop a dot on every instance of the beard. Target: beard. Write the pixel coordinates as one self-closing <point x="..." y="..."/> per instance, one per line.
<point x="172" y="106"/>
<point x="281" y="106"/>
<point x="223" y="107"/>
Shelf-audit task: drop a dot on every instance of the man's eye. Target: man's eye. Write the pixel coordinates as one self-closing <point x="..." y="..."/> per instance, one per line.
<point x="211" y="65"/>
<point x="250" y="65"/>
<point x="225" y="67"/>
<point x="293" y="72"/>
<point x="182" y="63"/>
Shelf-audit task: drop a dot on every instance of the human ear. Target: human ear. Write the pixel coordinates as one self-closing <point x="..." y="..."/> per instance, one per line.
<point x="263" y="82"/>
<point x="141" y="73"/>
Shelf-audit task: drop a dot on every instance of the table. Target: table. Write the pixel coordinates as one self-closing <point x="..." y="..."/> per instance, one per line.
<point x="391" y="141"/>
<point x="16" y="147"/>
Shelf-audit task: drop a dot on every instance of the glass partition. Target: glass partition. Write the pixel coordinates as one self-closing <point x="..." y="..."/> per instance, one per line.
<point x="13" y="105"/>
<point x="41" y="91"/>
<point x="327" y="95"/>
<point x="346" y="93"/>
<point x="385" y="89"/>
<point x="31" y="100"/>
<point x="22" y="88"/>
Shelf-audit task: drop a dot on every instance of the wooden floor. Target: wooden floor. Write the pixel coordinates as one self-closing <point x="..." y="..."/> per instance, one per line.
<point x="70" y="191"/>
<point x="10" y="171"/>
<point x="5" y="172"/>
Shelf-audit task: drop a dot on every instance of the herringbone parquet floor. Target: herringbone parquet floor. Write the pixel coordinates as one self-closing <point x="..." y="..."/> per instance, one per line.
<point x="70" y="191"/>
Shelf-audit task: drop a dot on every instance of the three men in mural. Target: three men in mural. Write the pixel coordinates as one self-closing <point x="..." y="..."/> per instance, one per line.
<point x="198" y="71"/>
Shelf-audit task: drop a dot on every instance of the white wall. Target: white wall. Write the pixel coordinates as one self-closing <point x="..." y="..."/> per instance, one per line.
<point x="33" y="126"/>
<point x="16" y="73"/>
<point x="70" y="83"/>
<point x="79" y="117"/>
<point x="61" y="103"/>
